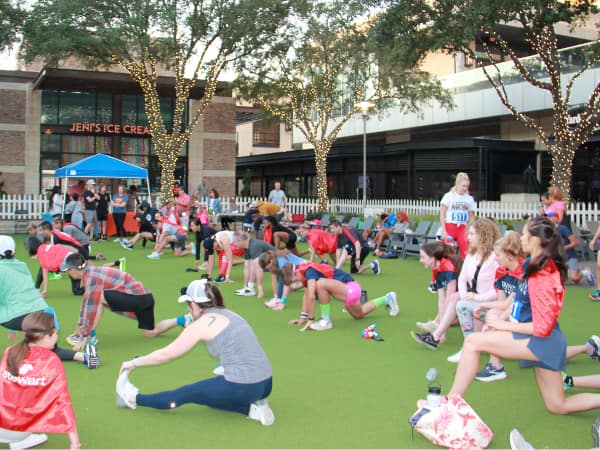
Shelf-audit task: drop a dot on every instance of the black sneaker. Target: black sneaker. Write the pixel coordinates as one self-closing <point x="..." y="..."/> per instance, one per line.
<point x="425" y="339"/>
<point x="490" y="373"/>
<point x="220" y="279"/>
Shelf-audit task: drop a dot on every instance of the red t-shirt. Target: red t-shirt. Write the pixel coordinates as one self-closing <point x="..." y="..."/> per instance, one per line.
<point x="51" y="256"/>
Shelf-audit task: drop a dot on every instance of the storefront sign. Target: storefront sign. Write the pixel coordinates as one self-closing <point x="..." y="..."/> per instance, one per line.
<point x="109" y="128"/>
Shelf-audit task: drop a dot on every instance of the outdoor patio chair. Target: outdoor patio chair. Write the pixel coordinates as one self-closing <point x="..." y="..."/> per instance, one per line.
<point x="325" y="221"/>
<point x="432" y="235"/>
<point x="353" y="222"/>
<point x="21" y="217"/>
<point x="583" y="249"/>
<point x="415" y="240"/>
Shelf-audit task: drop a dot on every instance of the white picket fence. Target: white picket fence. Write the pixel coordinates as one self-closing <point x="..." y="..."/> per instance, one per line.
<point x="580" y="213"/>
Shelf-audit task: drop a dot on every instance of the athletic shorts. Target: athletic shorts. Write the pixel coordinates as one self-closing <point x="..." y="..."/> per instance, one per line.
<point x="142" y="306"/>
<point x="147" y="228"/>
<point x="180" y="240"/>
<point x="89" y="215"/>
<point x="573" y="264"/>
<point x="353" y="292"/>
<point x="102" y="214"/>
<point x="291" y="243"/>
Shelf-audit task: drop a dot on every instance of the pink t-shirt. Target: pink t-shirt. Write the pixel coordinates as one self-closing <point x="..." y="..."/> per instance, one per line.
<point x="183" y="202"/>
<point x="555" y="207"/>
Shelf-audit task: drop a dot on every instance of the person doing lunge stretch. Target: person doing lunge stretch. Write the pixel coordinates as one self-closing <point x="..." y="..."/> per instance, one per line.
<point x="323" y="281"/>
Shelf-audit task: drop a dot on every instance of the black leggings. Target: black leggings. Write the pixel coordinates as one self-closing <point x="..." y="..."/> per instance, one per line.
<point x="119" y="219"/>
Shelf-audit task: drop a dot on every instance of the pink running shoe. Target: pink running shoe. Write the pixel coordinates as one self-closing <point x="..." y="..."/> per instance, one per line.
<point x="275" y="304"/>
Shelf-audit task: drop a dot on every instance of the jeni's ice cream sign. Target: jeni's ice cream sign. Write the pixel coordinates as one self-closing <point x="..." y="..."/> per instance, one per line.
<point x="109" y="128"/>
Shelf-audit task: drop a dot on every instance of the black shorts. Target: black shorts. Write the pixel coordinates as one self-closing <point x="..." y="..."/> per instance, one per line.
<point x="141" y="305"/>
<point x="148" y="228"/>
<point x="102" y="214"/>
<point x="291" y="243"/>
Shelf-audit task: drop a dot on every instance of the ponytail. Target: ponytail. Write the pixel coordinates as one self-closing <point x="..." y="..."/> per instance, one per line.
<point x="35" y="326"/>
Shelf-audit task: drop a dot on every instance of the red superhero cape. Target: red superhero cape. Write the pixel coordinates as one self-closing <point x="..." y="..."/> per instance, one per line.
<point x="37" y="400"/>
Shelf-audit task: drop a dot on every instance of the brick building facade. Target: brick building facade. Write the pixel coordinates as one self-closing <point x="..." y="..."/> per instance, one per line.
<point x="37" y="134"/>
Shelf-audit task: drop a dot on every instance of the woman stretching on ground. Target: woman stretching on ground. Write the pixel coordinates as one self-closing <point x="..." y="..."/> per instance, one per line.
<point x="532" y="333"/>
<point x="323" y="281"/>
<point x="247" y="379"/>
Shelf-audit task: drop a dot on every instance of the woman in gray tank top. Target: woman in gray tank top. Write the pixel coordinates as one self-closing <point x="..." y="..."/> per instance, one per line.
<point x="247" y="378"/>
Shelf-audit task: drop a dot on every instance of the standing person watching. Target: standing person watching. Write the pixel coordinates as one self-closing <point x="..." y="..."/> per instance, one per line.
<point x="456" y="208"/>
<point x="34" y="396"/>
<point x="247" y="378"/>
<point x="102" y="211"/>
<point x="56" y="201"/>
<point x="119" y="211"/>
<point x="90" y="203"/>
<point x="278" y="197"/>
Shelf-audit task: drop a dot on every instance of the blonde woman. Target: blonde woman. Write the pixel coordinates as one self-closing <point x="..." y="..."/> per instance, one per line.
<point x="456" y="209"/>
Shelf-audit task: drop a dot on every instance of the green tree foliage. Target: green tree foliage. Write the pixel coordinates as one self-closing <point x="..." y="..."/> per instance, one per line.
<point x="321" y="67"/>
<point x="454" y="26"/>
<point x="11" y="18"/>
<point x="196" y="40"/>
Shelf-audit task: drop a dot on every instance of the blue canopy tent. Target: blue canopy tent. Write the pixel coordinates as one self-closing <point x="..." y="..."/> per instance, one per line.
<point x="101" y="166"/>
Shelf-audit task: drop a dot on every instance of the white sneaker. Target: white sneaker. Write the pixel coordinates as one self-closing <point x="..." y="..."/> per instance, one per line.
<point x="430" y="326"/>
<point x="261" y="411"/>
<point x="321" y="325"/>
<point x="393" y="304"/>
<point x="203" y="266"/>
<point x="30" y="441"/>
<point x="219" y="370"/>
<point x="518" y="442"/>
<point x="126" y="245"/>
<point x="153" y="255"/>
<point x="456" y="357"/>
<point x="246" y="292"/>
<point x="126" y="391"/>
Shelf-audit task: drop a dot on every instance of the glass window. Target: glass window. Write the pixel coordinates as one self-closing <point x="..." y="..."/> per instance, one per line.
<point x="135" y="151"/>
<point x="128" y="109"/>
<point x="265" y="133"/>
<point x="50" y="143"/>
<point x="76" y="107"/>
<point x="83" y="145"/>
<point x="104" y="108"/>
<point x="49" y="108"/>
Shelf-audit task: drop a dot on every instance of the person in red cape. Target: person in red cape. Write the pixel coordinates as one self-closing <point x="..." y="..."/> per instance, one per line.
<point x="530" y="331"/>
<point x="34" y="397"/>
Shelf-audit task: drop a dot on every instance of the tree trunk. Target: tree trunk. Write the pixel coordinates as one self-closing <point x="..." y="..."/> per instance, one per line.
<point x="562" y="169"/>
<point x="167" y="157"/>
<point x="321" y="168"/>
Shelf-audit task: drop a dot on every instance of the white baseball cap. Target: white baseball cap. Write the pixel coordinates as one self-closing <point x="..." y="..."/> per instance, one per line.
<point x="195" y="292"/>
<point x="7" y="246"/>
<point x="91" y="181"/>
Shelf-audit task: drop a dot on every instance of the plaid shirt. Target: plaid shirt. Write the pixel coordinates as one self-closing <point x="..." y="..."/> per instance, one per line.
<point x="96" y="280"/>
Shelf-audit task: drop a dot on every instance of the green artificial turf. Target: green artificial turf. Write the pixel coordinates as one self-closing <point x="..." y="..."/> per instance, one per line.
<point x="331" y="389"/>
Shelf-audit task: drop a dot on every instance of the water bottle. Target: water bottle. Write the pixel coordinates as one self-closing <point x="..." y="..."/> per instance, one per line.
<point x="431" y="375"/>
<point x="434" y="390"/>
<point x="434" y="395"/>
